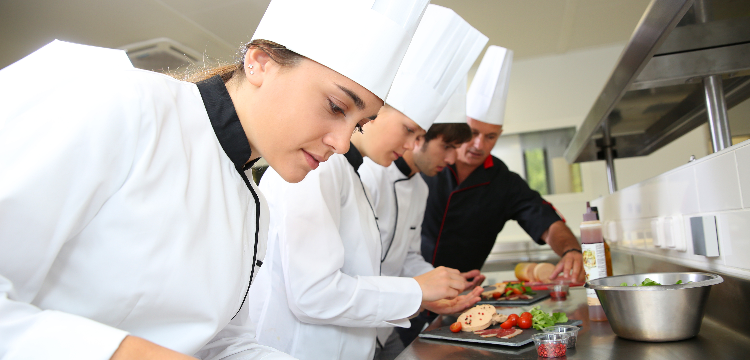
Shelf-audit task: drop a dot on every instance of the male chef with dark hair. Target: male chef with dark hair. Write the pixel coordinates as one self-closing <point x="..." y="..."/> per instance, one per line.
<point x="399" y="196"/>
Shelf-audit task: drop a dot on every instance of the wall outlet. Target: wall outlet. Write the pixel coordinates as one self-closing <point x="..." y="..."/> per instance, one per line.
<point x="705" y="236"/>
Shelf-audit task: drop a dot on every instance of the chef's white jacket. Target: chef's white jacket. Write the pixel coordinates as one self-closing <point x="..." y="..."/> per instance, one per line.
<point x="122" y="213"/>
<point x="399" y="200"/>
<point x="320" y="285"/>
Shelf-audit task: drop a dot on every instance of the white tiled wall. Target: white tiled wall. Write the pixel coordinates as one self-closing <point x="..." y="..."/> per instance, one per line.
<point x="653" y="217"/>
<point x="718" y="183"/>
<point x="743" y="169"/>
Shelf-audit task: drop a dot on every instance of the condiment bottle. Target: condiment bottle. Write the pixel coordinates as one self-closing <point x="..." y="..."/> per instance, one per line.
<point x="594" y="259"/>
<point x="607" y="253"/>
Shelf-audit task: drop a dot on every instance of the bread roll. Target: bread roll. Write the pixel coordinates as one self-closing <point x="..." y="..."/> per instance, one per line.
<point x="543" y="271"/>
<point x="525" y="271"/>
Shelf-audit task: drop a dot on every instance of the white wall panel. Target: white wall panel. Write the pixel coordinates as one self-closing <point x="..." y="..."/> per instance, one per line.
<point x="718" y="183"/>
<point x="734" y="238"/>
<point x="743" y="169"/>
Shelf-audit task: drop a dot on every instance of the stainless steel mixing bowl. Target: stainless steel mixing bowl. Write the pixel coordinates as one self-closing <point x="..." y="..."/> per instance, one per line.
<point x="655" y="313"/>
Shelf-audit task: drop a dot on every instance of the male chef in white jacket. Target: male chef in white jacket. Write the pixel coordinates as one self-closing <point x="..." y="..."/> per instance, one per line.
<point x="321" y="286"/>
<point x="399" y="197"/>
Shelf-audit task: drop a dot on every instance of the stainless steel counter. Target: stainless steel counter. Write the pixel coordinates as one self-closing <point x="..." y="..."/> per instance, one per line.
<point x="595" y="341"/>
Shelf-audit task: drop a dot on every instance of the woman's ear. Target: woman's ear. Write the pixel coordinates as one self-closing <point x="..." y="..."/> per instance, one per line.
<point x="257" y="64"/>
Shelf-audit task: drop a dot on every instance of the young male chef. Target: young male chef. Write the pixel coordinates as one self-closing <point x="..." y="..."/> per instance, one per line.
<point x="399" y="197"/>
<point x="321" y="284"/>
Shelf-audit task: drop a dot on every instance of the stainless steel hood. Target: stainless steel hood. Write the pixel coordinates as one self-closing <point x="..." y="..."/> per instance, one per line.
<point x="657" y="92"/>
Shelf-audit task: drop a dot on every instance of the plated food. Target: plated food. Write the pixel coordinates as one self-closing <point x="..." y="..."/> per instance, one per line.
<point x="479" y="318"/>
<point x="508" y="291"/>
<point x="517" y="329"/>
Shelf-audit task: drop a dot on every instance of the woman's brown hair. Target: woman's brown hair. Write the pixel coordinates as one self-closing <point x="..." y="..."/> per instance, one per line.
<point x="277" y="52"/>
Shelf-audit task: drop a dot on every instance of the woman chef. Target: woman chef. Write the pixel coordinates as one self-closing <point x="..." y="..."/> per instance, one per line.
<point x="128" y="228"/>
<point x="319" y="294"/>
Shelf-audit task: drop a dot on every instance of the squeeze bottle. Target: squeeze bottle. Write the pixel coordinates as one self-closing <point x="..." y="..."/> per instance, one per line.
<point x="594" y="259"/>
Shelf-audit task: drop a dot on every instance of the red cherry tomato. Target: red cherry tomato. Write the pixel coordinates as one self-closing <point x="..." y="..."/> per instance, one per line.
<point x="516" y="291"/>
<point x="456" y="327"/>
<point x="514" y="318"/>
<point x="497" y="295"/>
<point x="524" y="322"/>
<point x="507" y="324"/>
<point x="526" y="315"/>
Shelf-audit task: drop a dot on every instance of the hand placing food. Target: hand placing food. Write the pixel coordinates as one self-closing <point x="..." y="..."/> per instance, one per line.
<point x="570" y="266"/>
<point x="452" y="306"/>
<point x="473" y="278"/>
<point x="441" y="283"/>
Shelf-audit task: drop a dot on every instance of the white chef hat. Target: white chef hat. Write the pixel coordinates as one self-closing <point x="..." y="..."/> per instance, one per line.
<point x="441" y="53"/>
<point x="455" y="110"/>
<point x="486" y="98"/>
<point x="364" y="40"/>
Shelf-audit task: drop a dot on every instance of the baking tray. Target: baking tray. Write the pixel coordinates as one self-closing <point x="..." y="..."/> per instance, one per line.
<point x="539" y="296"/>
<point x="444" y="333"/>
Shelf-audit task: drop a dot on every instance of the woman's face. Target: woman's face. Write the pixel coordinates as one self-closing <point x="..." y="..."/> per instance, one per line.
<point x="387" y="138"/>
<point x="298" y="116"/>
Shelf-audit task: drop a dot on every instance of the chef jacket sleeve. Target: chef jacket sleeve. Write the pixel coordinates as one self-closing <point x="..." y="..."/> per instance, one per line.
<point x="64" y="150"/>
<point x="237" y="342"/>
<point x="312" y="254"/>
<point x="528" y="208"/>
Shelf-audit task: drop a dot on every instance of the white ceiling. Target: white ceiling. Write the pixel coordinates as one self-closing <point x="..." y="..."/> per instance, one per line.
<point x="217" y="28"/>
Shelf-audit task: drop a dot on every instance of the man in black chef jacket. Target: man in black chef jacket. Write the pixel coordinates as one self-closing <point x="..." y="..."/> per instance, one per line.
<point x="470" y="202"/>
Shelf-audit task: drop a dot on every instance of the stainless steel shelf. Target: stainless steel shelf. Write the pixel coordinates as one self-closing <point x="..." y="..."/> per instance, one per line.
<point x="656" y="93"/>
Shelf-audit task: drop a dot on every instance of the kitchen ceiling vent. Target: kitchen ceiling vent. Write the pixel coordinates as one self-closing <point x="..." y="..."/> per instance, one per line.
<point x="161" y="55"/>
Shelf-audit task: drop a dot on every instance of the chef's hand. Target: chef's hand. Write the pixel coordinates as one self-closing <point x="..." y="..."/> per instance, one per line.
<point x="455" y="305"/>
<point x="570" y="266"/>
<point x="477" y="277"/>
<point x="136" y="348"/>
<point x="441" y="283"/>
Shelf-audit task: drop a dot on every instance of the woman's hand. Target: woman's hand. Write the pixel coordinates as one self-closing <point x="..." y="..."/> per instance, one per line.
<point x="136" y="348"/>
<point x="441" y="283"/>
<point x="455" y="305"/>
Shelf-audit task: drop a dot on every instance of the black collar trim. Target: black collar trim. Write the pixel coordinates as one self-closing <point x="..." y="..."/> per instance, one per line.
<point x="225" y="122"/>
<point x="403" y="166"/>
<point x="354" y="157"/>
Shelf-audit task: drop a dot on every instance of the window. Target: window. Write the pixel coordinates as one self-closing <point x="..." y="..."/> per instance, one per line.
<point x="538" y="157"/>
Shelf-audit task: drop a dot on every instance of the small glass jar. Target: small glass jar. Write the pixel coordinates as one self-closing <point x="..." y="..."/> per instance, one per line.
<point x="551" y="345"/>
<point x="570" y="330"/>
<point x="558" y="292"/>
